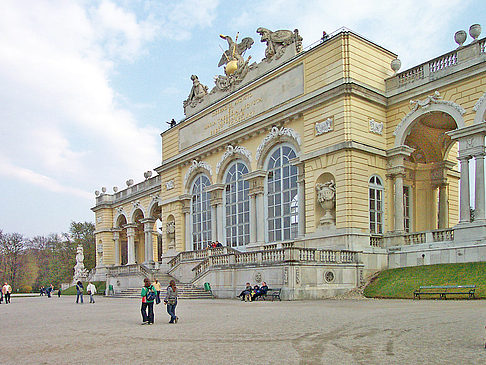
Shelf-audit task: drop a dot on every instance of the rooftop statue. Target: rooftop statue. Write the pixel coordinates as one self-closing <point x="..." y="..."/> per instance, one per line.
<point x="236" y="67"/>
<point x="277" y="42"/>
<point x="198" y="91"/>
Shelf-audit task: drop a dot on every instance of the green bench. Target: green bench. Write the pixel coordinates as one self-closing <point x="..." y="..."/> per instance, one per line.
<point x="443" y="290"/>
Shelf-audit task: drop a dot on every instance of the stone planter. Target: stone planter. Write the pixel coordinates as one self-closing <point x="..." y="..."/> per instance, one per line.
<point x="460" y="37"/>
<point x="475" y="31"/>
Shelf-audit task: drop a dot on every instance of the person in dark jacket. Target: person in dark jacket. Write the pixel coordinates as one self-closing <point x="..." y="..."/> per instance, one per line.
<point x="245" y="292"/>
<point x="79" y="291"/>
<point x="261" y="291"/>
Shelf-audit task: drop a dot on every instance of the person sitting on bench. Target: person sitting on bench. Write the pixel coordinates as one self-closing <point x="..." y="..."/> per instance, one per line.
<point x="245" y="292"/>
<point x="262" y="291"/>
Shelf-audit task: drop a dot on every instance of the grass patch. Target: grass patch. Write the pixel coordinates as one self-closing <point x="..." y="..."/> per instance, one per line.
<point x="402" y="282"/>
<point x="100" y="288"/>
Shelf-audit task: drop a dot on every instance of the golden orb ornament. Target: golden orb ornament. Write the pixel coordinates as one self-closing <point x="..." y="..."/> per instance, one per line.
<point x="231" y="67"/>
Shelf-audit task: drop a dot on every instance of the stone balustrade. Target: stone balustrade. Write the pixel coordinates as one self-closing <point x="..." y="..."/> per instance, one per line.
<point x="438" y="67"/>
<point x="198" y="255"/>
<point x="123" y="270"/>
<point x="278" y="255"/>
<point x="130" y="191"/>
<point x="438" y="235"/>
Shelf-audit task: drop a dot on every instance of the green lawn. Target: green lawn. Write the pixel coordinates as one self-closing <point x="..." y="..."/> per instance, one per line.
<point x="401" y="283"/>
<point x="100" y="288"/>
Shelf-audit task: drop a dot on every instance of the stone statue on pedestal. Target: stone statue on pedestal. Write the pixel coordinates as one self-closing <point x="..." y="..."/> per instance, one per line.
<point x="198" y="92"/>
<point x="277" y="42"/>
<point x="80" y="273"/>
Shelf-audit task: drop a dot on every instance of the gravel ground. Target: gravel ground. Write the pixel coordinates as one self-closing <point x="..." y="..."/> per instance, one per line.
<point x="57" y="331"/>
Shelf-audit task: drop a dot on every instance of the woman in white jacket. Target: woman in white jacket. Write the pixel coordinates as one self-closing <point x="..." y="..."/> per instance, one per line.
<point x="91" y="288"/>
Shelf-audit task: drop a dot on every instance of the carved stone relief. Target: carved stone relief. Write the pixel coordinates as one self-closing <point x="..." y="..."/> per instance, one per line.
<point x="324" y="127"/>
<point x="196" y="165"/>
<point x="230" y="151"/>
<point x="275" y="133"/>
<point x="376" y="127"/>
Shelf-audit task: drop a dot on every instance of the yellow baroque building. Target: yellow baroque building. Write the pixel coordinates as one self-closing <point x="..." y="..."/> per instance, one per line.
<point x="312" y="168"/>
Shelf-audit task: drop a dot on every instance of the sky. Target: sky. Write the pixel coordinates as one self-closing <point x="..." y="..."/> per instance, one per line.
<point x="86" y="87"/>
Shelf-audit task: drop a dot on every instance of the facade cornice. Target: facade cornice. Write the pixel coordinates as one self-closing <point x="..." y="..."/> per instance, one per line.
<point x="129" y="198"/>
<point x="263" y="123"/>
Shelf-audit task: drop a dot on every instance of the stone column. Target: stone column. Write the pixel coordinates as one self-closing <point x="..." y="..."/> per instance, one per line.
<point x="116" y="238"/>
<point x="216" y="191"/>
<point x="301" y="201"/>
<point x="465" y="212"/>
<point x="443" y="206"/>
<point x="479" y="183"/>
<point x="148" y="229"/>
<point x="253" y="219"/>
<point x="398" y="199"/>
<point x="256" y="180"/>
<point x="131" y="243"/>
<point x="186" y="211"/>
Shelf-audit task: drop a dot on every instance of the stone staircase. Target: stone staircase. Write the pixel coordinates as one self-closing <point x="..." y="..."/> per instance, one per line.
<point x="186" y="291"/>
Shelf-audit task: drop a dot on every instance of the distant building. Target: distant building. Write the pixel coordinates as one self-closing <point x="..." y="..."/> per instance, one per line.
<point x="313" y="167"/>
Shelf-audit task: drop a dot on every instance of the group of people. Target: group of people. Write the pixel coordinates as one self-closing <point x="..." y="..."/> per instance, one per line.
<point x="47" y="291"/>
<point x="151" y="293"/>
<point x="214" y="244"/>
<point x="252" y="293"/>
<point x="90" y="289"/>
<point x="5" y="293"/>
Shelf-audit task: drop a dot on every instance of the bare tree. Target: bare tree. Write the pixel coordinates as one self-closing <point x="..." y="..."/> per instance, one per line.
<point x="11" y="249"/>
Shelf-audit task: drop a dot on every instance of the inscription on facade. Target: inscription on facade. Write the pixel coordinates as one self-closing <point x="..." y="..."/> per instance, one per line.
<point x="265" y="97"/>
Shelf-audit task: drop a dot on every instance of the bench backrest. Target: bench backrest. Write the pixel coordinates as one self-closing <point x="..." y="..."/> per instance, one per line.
<point x="448" y="287"/>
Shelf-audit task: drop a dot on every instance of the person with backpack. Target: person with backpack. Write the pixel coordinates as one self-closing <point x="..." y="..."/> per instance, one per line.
<point x="148" y="295"/>
<point x="171" y="301"/>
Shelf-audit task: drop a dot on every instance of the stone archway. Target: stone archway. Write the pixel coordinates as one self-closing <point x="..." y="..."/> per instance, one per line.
<point x="427" y="172"/>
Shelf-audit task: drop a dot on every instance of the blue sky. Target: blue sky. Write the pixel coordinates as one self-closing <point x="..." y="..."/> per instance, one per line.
<point x="86" y="87"/>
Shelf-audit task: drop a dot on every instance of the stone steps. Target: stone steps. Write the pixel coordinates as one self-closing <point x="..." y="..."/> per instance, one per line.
<point x="186" y="291"/>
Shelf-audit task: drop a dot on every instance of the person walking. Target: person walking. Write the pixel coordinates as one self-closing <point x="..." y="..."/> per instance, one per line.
<point x="157" y="287"/>
<point x="171" y="301"/>
<point x="148" y="295"/>
<point x="59" y="293"/>
<point x="7" y="290"/>
<point x="79" y="291"/>
<point x="91" y="288"/>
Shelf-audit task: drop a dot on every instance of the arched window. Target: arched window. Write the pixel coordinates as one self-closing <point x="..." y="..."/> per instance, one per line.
<point x="282" y="199"/>
<point x="237" y="206"/>
<point x="376" y="205"/>
<point x="201" y="213"/>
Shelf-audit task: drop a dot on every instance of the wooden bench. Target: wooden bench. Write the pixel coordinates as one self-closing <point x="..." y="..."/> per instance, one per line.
<point x="443" y="290"/>
<point x="273" y="293"/>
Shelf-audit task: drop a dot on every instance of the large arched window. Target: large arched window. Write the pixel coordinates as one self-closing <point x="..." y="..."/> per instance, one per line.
<point x="237" y="206"/>
<point x="376" y="205"/>
<point x="282" y="200"/>
<point x="200" y="213"/>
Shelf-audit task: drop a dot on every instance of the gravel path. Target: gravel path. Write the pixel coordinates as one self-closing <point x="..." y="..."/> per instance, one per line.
<point x="57" y="331"/>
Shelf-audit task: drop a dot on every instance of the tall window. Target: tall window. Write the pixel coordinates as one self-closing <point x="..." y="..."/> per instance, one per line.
<point x="201" y="213"/>
<point x="406" y="208"/>
<point x="237" y="206"/>
<point x="282" y="200"/>
<point x="376" y="205"/>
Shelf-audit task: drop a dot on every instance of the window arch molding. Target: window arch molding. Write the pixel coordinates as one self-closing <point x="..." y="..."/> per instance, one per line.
<point x="281" y="194"/>
<point x="276" y="137"/>
<point x="376" y="195"/>
<point x="232" y="154"/>
<point x="200" y="211"/>
<point x="236" y="204"/>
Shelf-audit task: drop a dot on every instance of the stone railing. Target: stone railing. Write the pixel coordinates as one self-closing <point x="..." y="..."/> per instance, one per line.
<point x="126" y="193"/>
<point x="279" y="255"/>
<point x="438" y="235"/>
<point x="199" y="255"/>
<point x="376" y="241"/>
<point x="124" y="270"/>
<point x="436" y="67"/>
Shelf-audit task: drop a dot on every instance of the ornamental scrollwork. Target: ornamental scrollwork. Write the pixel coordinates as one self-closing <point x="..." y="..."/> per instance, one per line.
<point x="424" y="104"/>
<point x="230" y="151"/>
<point x="197" y="165"/>
<point x="275" y="133"/>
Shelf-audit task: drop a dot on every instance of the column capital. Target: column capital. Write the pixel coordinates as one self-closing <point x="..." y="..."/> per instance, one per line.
<point x="216" y="192"/>
<point x="257" y="181"/>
